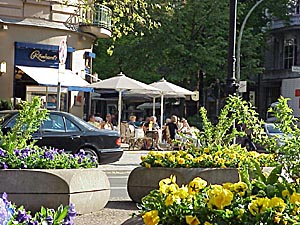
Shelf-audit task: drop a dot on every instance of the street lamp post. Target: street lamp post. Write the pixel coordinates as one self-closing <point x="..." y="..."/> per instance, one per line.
<point x="238" y="51"/>
<point x="231" y="85"/>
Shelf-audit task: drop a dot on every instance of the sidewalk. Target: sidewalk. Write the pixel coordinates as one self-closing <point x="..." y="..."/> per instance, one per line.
<point x="115" y="212"/>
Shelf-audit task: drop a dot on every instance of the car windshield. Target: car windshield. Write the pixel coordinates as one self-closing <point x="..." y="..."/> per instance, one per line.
<point x="272" y="129"/>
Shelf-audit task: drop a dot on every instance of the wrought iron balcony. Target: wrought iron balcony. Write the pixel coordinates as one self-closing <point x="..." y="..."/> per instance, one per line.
<point x="97" y="21"/>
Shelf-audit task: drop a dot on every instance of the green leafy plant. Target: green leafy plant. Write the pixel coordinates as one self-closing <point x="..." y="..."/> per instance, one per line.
<point x="288" y="152"/>
<point x="29" y="119"/>
<point x="237" y="113"/>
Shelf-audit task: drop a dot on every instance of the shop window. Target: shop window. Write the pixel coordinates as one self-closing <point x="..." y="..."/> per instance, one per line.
<point x="290" y="50"/>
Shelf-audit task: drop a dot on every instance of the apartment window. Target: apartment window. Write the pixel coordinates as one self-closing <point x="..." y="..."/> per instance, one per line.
<point x="290" y="50"/>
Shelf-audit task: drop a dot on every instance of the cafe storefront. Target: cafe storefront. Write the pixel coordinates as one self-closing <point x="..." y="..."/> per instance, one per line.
<point x="37" y="74"/>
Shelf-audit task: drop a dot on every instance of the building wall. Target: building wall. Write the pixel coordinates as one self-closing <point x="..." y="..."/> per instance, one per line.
<point x="40" y="22"/>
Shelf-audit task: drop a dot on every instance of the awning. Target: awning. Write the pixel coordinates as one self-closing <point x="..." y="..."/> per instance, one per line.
<point x="49" y="77"/>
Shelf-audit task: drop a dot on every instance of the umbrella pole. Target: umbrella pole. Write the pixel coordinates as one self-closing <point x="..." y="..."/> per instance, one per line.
<point x="161" y="110"/>
<point x="119" y="110"/>
<point x="153" y="107"/>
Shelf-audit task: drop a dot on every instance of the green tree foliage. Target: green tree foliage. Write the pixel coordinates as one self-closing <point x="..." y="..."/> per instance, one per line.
<point x="193" y="36"/>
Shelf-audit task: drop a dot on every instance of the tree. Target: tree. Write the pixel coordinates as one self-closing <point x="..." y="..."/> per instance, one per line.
<point x="190" y="36"/>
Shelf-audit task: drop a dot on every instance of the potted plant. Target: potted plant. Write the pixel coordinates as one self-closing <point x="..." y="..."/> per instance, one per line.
<point x="263" y="199"/>
<point x="48" y="177"/>
<point x="256" y="198"/>
<point x="216" y="160"/>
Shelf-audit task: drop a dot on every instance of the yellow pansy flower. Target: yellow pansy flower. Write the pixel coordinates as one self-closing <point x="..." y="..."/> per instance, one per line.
<point x="168" y="181"/>
<point x="151" y="217"/>
<point x="206" y="150"/>
<point x="285" y="193"/>
<point x="240" y="188"/>
<point x="258" y="205"/>
<point x="277" y="204"/>
<point x="181" y="161"/>
<point x="196" y="185"/>
<point x="219" y="197"/>
<point x="183" y="192"/>
<point x="192" y="220"/>
<point x="207" y="223"/>
<point x="295" y="198"/>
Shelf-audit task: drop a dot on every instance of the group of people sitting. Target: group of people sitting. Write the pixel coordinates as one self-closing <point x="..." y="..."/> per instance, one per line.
<point x="109" y="123"/>
<point x="173" y="125"/>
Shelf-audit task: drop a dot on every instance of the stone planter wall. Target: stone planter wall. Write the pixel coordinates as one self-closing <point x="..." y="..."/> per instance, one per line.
<point x="142" y="180"/>
<point x="88" y="189"/>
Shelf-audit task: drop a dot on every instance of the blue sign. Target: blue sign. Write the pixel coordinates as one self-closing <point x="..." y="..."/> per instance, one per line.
<point x="33" y="56"/>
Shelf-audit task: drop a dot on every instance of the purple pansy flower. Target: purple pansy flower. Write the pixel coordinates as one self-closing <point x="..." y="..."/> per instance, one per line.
<point x="22" y="216"/>
<point x="69" y="219"/>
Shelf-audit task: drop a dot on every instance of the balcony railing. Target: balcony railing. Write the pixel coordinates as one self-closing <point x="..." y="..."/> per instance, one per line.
<point x="96" y="19"/>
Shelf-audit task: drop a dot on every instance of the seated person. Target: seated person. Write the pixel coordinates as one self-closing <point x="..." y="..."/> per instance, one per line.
<point x="132" y="120"/>
<point x="151" y="124"/>
<point x="139" y="122"/>
<point x="108" y="124"/>
<point x="186" y="129"/>
<point x="172" y="125"/>
<point x="92" y="121"/>
<point x="148" y="127"/>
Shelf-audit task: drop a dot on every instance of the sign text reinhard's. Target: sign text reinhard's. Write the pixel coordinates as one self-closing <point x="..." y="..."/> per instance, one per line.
<point x="36" y="54"/>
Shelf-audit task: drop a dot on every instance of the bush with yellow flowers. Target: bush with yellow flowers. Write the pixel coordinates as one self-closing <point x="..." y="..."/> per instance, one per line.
<point x="255" y="199"/>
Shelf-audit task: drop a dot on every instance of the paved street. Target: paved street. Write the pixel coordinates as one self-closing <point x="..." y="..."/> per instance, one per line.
<point x="118" y="173"/>
<point x="120" y="207"/>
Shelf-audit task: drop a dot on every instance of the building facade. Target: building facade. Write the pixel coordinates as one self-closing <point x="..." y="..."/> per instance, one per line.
<point x="282" y="55"/>
<point x="46" y="50"/>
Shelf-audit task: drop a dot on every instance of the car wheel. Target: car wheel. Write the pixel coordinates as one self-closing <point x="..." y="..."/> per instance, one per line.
<point x="90" y="153"/>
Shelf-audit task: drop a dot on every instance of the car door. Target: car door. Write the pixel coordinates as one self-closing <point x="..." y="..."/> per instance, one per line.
<point x="60" y="132"/>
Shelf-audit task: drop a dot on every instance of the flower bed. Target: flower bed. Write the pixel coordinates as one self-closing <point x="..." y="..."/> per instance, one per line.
<point x="47" y="177"/>
<point x="263" y="200"/>
<point x="216" y="165"/>
<point x="12" y="214"/>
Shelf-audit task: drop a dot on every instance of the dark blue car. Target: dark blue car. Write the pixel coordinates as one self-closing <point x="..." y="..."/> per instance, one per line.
<point x="65" y="131"/>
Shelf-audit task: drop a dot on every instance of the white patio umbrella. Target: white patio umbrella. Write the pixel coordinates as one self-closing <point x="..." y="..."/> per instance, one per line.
<point x="122" y="83"/>
<point x="167" y="88"/>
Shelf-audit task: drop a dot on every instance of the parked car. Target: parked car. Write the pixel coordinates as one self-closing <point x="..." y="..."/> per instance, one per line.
<point x="65" y="131"/>
<point x="271" y="131"/>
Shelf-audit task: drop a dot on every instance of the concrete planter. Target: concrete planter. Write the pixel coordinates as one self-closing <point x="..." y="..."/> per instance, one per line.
<point x="142" y="180"/>
<point x="88" y="189"/>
